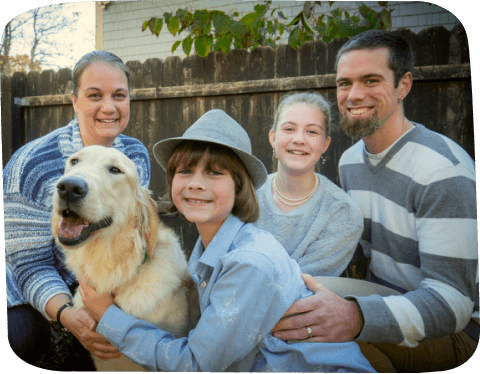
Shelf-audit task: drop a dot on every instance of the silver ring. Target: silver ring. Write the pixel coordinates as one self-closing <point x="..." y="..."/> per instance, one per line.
<point x="309" y="331"/>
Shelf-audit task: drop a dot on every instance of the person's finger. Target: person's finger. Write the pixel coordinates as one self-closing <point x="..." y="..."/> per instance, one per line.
<point x="297" y="321"/>
<point x="312" y="284"/>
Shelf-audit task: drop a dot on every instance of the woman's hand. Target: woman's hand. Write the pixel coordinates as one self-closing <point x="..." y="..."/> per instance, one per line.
<point x="95" y="303"/>
<point x="82" y="325"/>
<point x="330" y="317"/>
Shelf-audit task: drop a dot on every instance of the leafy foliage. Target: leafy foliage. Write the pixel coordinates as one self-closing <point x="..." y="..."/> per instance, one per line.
<point x="214" y="30"/>
<point x="21" y="63"/>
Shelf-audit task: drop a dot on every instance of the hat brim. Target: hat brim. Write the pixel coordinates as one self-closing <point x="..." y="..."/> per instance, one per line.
<point x="163" y="150"/>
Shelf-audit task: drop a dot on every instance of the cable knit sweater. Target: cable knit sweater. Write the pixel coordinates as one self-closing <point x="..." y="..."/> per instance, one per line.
<point x="35" y="271"/>
<point x="322" y="234"/>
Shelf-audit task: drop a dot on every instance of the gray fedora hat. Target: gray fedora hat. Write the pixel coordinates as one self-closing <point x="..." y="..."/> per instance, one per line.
<point x="218" y="127"/>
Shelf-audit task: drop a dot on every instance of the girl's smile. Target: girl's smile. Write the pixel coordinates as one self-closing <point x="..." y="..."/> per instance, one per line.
<point x="299" y="140"/>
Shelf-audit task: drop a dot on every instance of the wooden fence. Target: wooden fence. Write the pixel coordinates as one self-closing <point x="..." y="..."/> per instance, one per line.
<point x="168" y="96"/>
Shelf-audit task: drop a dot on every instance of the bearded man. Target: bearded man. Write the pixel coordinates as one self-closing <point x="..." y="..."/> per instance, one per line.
<point x="417" y="191"/>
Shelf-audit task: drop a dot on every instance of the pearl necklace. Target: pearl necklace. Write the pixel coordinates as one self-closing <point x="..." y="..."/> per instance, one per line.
<point x="294" y="202"/>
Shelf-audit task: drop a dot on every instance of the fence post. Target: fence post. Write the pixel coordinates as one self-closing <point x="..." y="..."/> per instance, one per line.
<point x="13" y="128"/>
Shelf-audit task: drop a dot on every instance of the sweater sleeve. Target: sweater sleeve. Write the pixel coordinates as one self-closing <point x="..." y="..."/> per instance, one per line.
<point x="444" y="301"/>
<point x="29" y="251"/>
<point x="329" y="252"/>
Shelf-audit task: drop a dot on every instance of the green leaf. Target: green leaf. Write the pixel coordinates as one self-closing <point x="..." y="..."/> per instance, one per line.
<point x="214" y="13"/>
<point x="175" y="45"/>
<point x="337" y="13"/>
<point x="203" y="43"/>
<point x="173" y="25"/>
<point x="145" y="26"/>
<point x="167" y="17"/>
<point x="156" y="25"/>
<point x="201" y="19"/>
<point x="249" y="19"/>
<point x="306" y="26"/>
<point x="181" y="14"/>
<point x="221" y="24"/>
<point x="259" y="23"/>
<point x="293" y="39"/>
<point x="321" y="27"/>
<point x="281" y="15"/>
<point x="238" y="29"/>
<point x="281" y="28"/>
<point x="386" y="18"/>
<point x="186" y="20"/>
<point x="224" y="42"/>
<point x="294" y="22"/>
<point x="260" y="9"/>
<point x="364" y="10"/>
<point x="187" y="45"/>
<point x="344" y="28"/>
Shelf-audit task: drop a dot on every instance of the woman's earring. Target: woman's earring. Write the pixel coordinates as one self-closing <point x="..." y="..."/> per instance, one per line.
<point x="274" y="154"/>
<point x="323" y="160"/>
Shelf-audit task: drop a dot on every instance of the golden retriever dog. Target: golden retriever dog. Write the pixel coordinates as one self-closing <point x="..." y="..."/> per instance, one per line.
<point x="108" y="227"/>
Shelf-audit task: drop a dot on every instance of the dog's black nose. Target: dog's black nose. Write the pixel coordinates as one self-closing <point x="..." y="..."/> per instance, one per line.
<point x="72" y="189"/>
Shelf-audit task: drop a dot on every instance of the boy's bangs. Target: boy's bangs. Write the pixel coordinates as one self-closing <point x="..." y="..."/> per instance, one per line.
<point x="216" y="156"/>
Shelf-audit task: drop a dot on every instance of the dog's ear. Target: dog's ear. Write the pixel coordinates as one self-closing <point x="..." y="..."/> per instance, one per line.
<point x="148" y="218"/>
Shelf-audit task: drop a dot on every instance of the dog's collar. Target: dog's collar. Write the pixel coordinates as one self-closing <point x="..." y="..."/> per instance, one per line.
<point x="145" y="257"/>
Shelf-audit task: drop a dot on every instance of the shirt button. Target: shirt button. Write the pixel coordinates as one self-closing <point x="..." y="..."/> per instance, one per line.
<point x="203" y="284"/>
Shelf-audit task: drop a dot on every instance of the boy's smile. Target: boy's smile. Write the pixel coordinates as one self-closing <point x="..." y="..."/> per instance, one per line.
<point x="204" y="197"/>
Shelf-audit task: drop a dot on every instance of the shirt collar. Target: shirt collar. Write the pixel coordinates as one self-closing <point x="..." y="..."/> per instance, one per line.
<point x="220" y="244"/>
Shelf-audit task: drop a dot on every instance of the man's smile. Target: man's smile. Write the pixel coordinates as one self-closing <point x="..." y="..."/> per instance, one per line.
<point x="359" y="111"/>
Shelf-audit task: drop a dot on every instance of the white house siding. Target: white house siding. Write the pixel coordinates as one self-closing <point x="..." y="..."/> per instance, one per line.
<point x="122" y="21"/>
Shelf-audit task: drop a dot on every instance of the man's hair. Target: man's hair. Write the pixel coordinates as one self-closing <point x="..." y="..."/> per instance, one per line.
<point x="401" y="58"/>
<point x="188" y="154"/>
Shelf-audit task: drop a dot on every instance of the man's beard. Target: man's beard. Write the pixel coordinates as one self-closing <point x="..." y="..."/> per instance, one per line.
<point x="359" y="128"/>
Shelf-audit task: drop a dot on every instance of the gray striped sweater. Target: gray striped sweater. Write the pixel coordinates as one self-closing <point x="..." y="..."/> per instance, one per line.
<point x="419" y="207"/>
<point x="35" y="271"/>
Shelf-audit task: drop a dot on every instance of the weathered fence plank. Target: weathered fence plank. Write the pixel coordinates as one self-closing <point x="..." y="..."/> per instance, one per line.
<point x="422" y="73"/>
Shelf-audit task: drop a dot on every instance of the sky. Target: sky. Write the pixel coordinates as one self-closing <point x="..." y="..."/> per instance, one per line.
<point x="84" y="13"/>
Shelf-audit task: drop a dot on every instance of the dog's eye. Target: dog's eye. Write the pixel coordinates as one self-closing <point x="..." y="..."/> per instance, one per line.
<point x="115" y="170"/>
<point x="74" y="161"/>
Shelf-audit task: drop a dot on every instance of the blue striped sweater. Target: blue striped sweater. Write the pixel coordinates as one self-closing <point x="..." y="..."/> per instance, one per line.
<point x="35" y="271"/>
<point x="419" y="206"/>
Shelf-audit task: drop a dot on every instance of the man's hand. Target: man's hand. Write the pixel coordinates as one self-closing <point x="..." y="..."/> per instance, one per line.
<point x="82" y="325"/>
<point x="331" y="318"/>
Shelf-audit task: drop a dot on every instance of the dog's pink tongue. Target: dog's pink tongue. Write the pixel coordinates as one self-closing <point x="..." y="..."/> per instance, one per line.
<point x="71" y="227"/>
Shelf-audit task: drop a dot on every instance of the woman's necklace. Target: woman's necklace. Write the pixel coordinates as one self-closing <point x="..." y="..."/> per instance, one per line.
<point x="294" y="202"/>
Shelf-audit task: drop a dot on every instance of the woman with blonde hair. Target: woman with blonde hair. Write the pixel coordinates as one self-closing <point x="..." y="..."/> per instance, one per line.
<point x="318" y="223"/>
